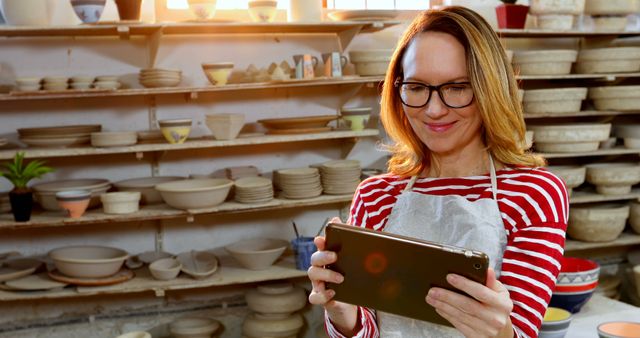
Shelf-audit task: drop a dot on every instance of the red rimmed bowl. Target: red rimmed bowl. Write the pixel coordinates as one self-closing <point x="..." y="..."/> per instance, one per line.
<point x="578" y="271"/>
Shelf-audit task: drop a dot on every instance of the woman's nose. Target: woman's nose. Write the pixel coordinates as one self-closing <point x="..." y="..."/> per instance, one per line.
<point x="436" y="108"/>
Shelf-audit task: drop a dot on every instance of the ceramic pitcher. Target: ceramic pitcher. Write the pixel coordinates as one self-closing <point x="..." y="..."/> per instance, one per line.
<point x="305" y="64"/>
<point x="333" y="64"/>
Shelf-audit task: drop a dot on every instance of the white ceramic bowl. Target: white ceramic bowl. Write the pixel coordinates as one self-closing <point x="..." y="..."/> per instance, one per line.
<point x="556" y="100"/>
<point x="135" y="334"/>
<point x="570" y="137"/>
<point x="575" y="7"/>
<point x="88" y="261"/>
<point x="276" y="298"/>
<point x="608" y="60"/>
<point x="146" y="186"/>
<point x="114" y="138"/>
<point x="198" y="264"/>
<point x="225" y="126"/>
<point x="572" y="175"/>
<point x="123" y="202"/>
<point x="613" y="178"/>
<point x="258" y="253"/>
<point x="597" y="223"/>
<point x="544" y="62"/>
<point x="263" y="10"/>
<point x="165" y="268"/>
<point x="610" y="7"/>
<point x="193" y="327"/>
<point x="616" y="97"/>
<point x="555" y="22"/>
<point x="196" y="193"/>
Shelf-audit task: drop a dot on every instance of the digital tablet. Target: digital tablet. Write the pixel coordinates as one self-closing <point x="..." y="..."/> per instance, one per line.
<point x="393" y="273"/>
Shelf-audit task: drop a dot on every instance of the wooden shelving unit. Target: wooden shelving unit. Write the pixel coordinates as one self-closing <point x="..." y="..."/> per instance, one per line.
<point x="580" y="197"/>
<point x="49" y="219"/>
<point x="538" y="33"/>
<point x="603" y="76"/>
<point x="140" y="149"/>
<point x="229" y="272"/>
<point x="581" y="113"/>
<point x="599" y="152"/>
<point x="625" y="239"/>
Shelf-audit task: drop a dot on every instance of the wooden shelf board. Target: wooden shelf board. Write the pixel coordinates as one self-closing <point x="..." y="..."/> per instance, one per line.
<point x="578" y="197"/>
<point x="581" y="113"/>
<point x="229" y="272"/>
<point x="607" y="76"/>
<point x="600" y="152"/>
<point x="71" y="94"/>
<point x="48" y="219"/>
<point x="189" y="28"/>
<point x="538" y="33"/>
<point x="190" y="144"/>
<point x="625" y="239"/>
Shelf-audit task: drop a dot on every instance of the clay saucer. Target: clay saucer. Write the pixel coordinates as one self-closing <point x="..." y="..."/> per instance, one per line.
<point x="34" y="283"/>
<point x="19" y="267"/>
<point x="122" y="276"/>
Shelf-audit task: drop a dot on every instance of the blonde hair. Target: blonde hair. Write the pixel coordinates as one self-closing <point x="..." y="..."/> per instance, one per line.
<point x="494" y="86"/>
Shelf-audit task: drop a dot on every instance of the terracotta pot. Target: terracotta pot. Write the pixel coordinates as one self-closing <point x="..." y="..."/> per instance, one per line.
<point x="21" y="205"/>
<point x="511" y="16"/>
<point x="129" y="9"/>
<point x="276" y="298"/>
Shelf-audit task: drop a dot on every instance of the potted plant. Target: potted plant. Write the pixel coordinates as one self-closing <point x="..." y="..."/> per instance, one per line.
<point x="19" y="174"/>
<point x="511" y="15"/>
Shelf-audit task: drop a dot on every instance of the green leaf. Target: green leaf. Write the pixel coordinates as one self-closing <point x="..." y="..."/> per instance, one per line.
<point x="20" y="175"/>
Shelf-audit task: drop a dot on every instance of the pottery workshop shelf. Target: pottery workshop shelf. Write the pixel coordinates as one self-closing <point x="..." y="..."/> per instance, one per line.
<point x="158" y="212"/>
<point x="192" y="92"/>
<point x="537" y="33"/>
<point x="590" y="197"/>
<point x="195" y="28"/>
<point x="228" y="273"/>
<point x="604" y="76"/>
<point x="581" y="113"/>
<point x="625" y="239"/>
<point x="190" y="144"/>
<point x="600" y="152"/>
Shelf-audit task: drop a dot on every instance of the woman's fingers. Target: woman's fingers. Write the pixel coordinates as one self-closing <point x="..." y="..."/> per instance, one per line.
<point x="322" y="258"/>
<point x="319" y="242"/>
<point x="324" y="275"/>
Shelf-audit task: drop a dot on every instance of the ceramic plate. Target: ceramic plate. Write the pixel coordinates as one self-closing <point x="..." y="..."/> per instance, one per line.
<point x="363" y="15"/>
<point x="3" y="141"/>
<point x="59" y="130"/>
<point x="55" y="142"/>
<point x="19" y="267"/>
<point x="122" y="276"/>
<point x="298" y="131"/>
<point x="40" y="281"/>
<point x="198" y="264"/>
<point x="310" y="122"/>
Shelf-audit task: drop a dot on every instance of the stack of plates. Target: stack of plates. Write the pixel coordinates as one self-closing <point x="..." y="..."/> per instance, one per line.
<point x="253" y="190"/>
<point x="234" y="173"/>
<point x="299" y="183"/>
<point x="156" y="77"/>
<point x="340" y="177"/>
<point x="298" y="125"/>
<point x="5" y="205"/>
<point x="63" y="136"/>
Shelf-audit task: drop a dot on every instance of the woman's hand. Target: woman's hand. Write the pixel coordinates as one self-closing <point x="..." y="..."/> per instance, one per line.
<point x="342" y="315"/>
<point x="485" y="314"/>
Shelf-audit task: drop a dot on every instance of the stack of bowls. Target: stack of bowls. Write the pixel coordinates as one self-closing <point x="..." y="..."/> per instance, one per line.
<point x="28" y="84"/>
<point x="146" y="187"/>
<point x="569" y="138"/>
<point x="299" y="183"/>
<point x="253" y="190"/>
<point x="55" y="83"/>
<point x="371" y="62"/>
<point x="340" y="177"/>
<point x="555" y="323"/>
<point x="613" y="178"/>
<point x="194" y="327"/>
<point x="224" y="126"/>
<point x="5" y="205"/>
<point x="156" y="77"/>
<point x="610" y="15"/>
<point x="576" y="282"/>
<point x="62" y="136"/>
<point x="45" y="193"/>
<point x="544" y="62"/>
<point x="274" y="309"/>
<point x="556" y="15"/>
<point x="81" y="82"/>
<point x="597" y="223"/>
<point x="110" y="82"/>
<point x="88" y="261"/>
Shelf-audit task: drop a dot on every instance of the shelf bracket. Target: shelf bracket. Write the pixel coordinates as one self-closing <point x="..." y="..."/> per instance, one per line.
<point x="139" y="155"/>
<point x="124" y="32"/>
<point x="345" y="37"/>
<point x="190" y="218"/>
<point x="159" y="292"/>
<point x="192" y="96"/>
<point x="159" y="236"/>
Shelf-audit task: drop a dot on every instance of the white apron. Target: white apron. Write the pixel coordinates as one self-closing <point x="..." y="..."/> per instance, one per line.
<point x="451" y="220"/>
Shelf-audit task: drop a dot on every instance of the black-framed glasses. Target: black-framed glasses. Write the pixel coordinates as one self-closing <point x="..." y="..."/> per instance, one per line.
<point x="418" y="95"/>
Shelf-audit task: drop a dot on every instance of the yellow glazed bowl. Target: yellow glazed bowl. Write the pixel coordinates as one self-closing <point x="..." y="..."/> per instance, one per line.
<point x="175" y="131"/>
<point x="218" y="73"/>
<point x="356" y="122"/>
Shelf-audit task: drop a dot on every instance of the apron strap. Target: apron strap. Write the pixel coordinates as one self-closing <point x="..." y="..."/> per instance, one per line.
<point x="412" y="181"/>
<point x="494" y="179"/>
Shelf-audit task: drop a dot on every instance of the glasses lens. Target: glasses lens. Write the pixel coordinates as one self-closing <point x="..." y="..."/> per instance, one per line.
<point x="457" y="94"/>
<point x="413" y="94"/>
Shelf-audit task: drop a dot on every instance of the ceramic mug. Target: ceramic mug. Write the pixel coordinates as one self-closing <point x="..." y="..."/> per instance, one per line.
<point x="305" y="65"/>
<point x="303" y="248"/>
<point x="333" y="64"/>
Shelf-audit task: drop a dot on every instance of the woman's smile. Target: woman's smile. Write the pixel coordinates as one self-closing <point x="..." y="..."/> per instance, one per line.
<point x="440" y="127"/>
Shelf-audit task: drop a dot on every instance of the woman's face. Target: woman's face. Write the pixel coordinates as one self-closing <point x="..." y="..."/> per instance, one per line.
<point x="434" y="58"/>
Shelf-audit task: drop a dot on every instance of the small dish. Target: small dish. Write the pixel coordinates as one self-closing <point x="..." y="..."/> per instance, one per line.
<point x="198" y="264"/>
<point x="17" y="268"/>
<point x="619" y="329"/>
<point x="165" y="268"/>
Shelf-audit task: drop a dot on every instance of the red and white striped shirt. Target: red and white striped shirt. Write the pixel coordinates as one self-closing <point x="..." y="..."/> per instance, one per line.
<point x="535" y="208"/>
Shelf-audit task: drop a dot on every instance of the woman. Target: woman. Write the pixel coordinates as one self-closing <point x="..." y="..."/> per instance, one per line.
<point x="458" y="175"/>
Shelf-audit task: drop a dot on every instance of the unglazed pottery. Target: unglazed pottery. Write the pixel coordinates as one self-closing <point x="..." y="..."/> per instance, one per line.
<point x="572" y="175"/>
<point x="124" y="202"/>
<point x="570" y="137"/>
<point x="276" y="298"/>
<point x="544" y="62"/>
<point x="258" y="325"/>
<point x="146" y="186"/>
<point x="165" y="268"/>
<point x="615" y="97"/>
<point x="608" y="60"/>
<point x="574" y="7"/>
<point x="613" y="178"/>
<point x="597" y="223"/>
<point x="193" y="327"/>
<point x="224" y="126"/>
<point x="554" y="22"/>
<point x="556" y="100"/>
<point x="88" y="261"/>
<point x="610" y="7"/>
<point x="258" y="253"/>
<point x="196" y="193"/>
<point x="198" y="264"/>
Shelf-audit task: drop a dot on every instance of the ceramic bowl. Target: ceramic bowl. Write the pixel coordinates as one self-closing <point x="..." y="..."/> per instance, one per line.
<point x="356" y="118"/>
<point x="276" y="298"/>
<point x="165" y="268"/>
<point x="574" y="7"/>
<point x="544" y="62"/>
<point x="615" y="97"/>
<point x="111" y="85"/>
<point x="609" y="23"/>
<point x="597" y="223"/>
<point x="578" y="137"/>
<point x="175" y="131"/>
<point x="149" y="257"/>
<point x="262" y="10"/>
<point x="611" y="7"/>
<point x="570" y="301"/>
<point x="619" y="329"/>
<point x="371" y="62"/>
<point x="224" y="126"/>
<point x="572" y="175"/>
<point x="89" y="11"/>
<point x="608" y="60"/>
<point x="272" y="325"/>
<point x="114" y="139"/>
<point x="194" y="327"/>
<point x="258" y="253"/>
<point x="577" y="271"/>
<point x="555" y="323"/>
<point x="146" y="187"/>
<point x="123" y="202"/>
<point x="555" y="22"/>
<point x="203" y="9"/>
<point x="556" y="100"/>
<point x="613" y="178"/>
<point x="218" y="73"/>
<point x="88" y="261"/>
<point x="135" y="334"/>
<point x="28" y="81"/>
<point x="75" y="202"/>
<point x="46" y="191"/>
<point x="196" y="193"/>
<point x="198" y="264"/>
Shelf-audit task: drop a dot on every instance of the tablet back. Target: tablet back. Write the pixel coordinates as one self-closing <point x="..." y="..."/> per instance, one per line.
<point x="393" y="273"/>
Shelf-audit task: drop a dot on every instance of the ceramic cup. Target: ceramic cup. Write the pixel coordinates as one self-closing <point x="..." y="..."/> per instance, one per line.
<point x="129" y="9"/>
<point x="89" y="11"/>
<point x="304" y="248"/>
